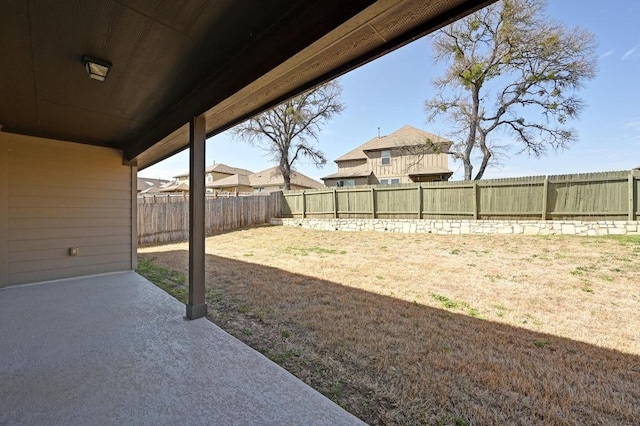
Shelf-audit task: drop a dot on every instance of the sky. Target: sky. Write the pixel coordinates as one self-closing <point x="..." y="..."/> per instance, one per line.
<point x="390" y="92"/>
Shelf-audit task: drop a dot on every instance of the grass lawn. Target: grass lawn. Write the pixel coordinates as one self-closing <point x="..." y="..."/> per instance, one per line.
<point x="433" y="329"/>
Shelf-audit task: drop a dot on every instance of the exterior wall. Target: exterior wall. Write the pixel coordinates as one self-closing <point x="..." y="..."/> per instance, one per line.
<point x="401" y="164"/>
<point x="358" y="181"/>
<point x="450" y="227"/>
<point x="240" y="188"/>
<point x="346" y="165"/>
<point x="60" y="195"/>
<point x="213" y="176"/>
<point x="276" y="188"/>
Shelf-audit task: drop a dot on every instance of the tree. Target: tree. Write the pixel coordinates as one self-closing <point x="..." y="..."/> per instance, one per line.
<point x="505" y="61"/>
<point x="289" y="130"/>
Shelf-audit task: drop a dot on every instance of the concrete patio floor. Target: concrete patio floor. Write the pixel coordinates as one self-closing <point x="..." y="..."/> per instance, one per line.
<point x="115" y="349"/>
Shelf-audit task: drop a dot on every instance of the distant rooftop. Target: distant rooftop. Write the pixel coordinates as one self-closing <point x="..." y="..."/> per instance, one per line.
<point x="405" y="136"/>
<point x="221" y="168"/>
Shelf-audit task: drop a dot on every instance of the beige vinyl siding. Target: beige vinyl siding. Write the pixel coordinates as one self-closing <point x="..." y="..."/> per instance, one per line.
<point x="401" y="165"/>
<point x="345" y="165"/>
<point x="233" y="189"/>
<point x="357" y="181"/>
<point x="217" y="175"/>
<point x="279" y="188"/>
<point x="61" y="195"/>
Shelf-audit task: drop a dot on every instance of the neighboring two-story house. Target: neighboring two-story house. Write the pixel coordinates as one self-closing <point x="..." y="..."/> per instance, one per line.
<point x="401" y="157"/>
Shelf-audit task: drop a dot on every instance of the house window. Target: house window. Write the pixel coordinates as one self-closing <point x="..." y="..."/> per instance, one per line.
<point x="384" y="181"/>
<point x="395" y="181"/>
<point x="346" y="182"/>
<point x="258" y="189"/>
<point x="385" y="156"/>
<point x="209" y="178"/>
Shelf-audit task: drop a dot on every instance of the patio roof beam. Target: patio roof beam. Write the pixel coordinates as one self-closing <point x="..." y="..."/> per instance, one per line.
<point x="197" y="306"/>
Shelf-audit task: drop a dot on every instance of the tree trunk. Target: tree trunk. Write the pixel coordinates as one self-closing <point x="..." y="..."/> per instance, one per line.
<point x="473" y="129"/>
<point x="486" y="155"/>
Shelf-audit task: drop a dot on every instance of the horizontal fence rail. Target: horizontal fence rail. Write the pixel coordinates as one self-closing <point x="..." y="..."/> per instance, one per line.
<point x="166" y="219"/>
<point x="585" y="196"/>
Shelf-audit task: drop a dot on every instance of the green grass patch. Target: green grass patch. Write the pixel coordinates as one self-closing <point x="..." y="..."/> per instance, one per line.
<point x="624" y="239"/>
<point x="172" y="282"/>
<point x="305" y="251"/>
<point x="445" y="301"/>
<point x="453" y="304"/>
<point x="581" y="270"/>
<point x="494" y="278"/>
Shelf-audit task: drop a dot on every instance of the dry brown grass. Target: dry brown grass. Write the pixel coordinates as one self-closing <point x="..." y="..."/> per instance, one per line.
<point x="430" y="329"/>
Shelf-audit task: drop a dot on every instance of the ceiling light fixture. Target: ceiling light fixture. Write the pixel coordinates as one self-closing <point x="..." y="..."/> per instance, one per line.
<point x="96" y="69"/>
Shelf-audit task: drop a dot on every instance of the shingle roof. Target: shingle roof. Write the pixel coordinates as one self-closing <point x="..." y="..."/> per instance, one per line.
<point x="430" y="170"/>
<point x="273" y="177"/>
<point x="230" y="181"/>
<point x="351" y="172"/>
<point x="221" y="168"/>
<point x="405" y="136"/>
<point x="150" y="185"/>
<point x="182" y="187"/>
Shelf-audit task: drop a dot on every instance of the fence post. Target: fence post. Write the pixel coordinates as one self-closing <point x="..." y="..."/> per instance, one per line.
<point x="419" y="201"/>
<point x="475" y="200"/>
<point x="545" y="196"/>
<point x="304" y="205"/>
<point x="335" y="203"/>
<point x="373" y="202"/>
<point x="632" y="201"/>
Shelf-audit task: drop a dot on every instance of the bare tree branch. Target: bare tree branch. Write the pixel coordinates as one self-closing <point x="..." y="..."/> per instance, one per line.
<point x="505" y="62"/>
<point x="288" y="130"/>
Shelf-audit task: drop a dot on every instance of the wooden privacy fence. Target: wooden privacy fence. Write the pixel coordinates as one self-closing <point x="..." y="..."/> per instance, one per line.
<point x="167" y="220"/>
<point x="587" y="196"/>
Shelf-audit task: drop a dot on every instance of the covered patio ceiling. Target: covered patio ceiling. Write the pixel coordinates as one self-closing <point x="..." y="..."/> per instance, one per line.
<point x="175" y="60"/>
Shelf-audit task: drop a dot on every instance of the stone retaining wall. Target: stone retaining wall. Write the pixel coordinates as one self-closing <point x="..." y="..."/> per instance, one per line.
<point x="526" y="227"/>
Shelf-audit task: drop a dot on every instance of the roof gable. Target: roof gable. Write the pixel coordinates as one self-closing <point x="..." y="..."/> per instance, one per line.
<point x="273" y="177"/>
<point x="230" y="181"/>
<point x="405" y="136"/>
<point x="223" y="168"/>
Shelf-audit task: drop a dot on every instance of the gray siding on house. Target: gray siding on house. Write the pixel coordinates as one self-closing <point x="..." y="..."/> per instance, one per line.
<point x="60" y="195"/>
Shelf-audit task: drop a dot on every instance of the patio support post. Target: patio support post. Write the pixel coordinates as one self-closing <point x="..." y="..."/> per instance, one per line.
<point x="197" y="306"/>
<point x="4" y="213"/>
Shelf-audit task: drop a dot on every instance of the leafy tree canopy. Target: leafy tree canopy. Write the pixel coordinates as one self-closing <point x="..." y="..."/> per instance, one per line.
<point x="510" y="67"/>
